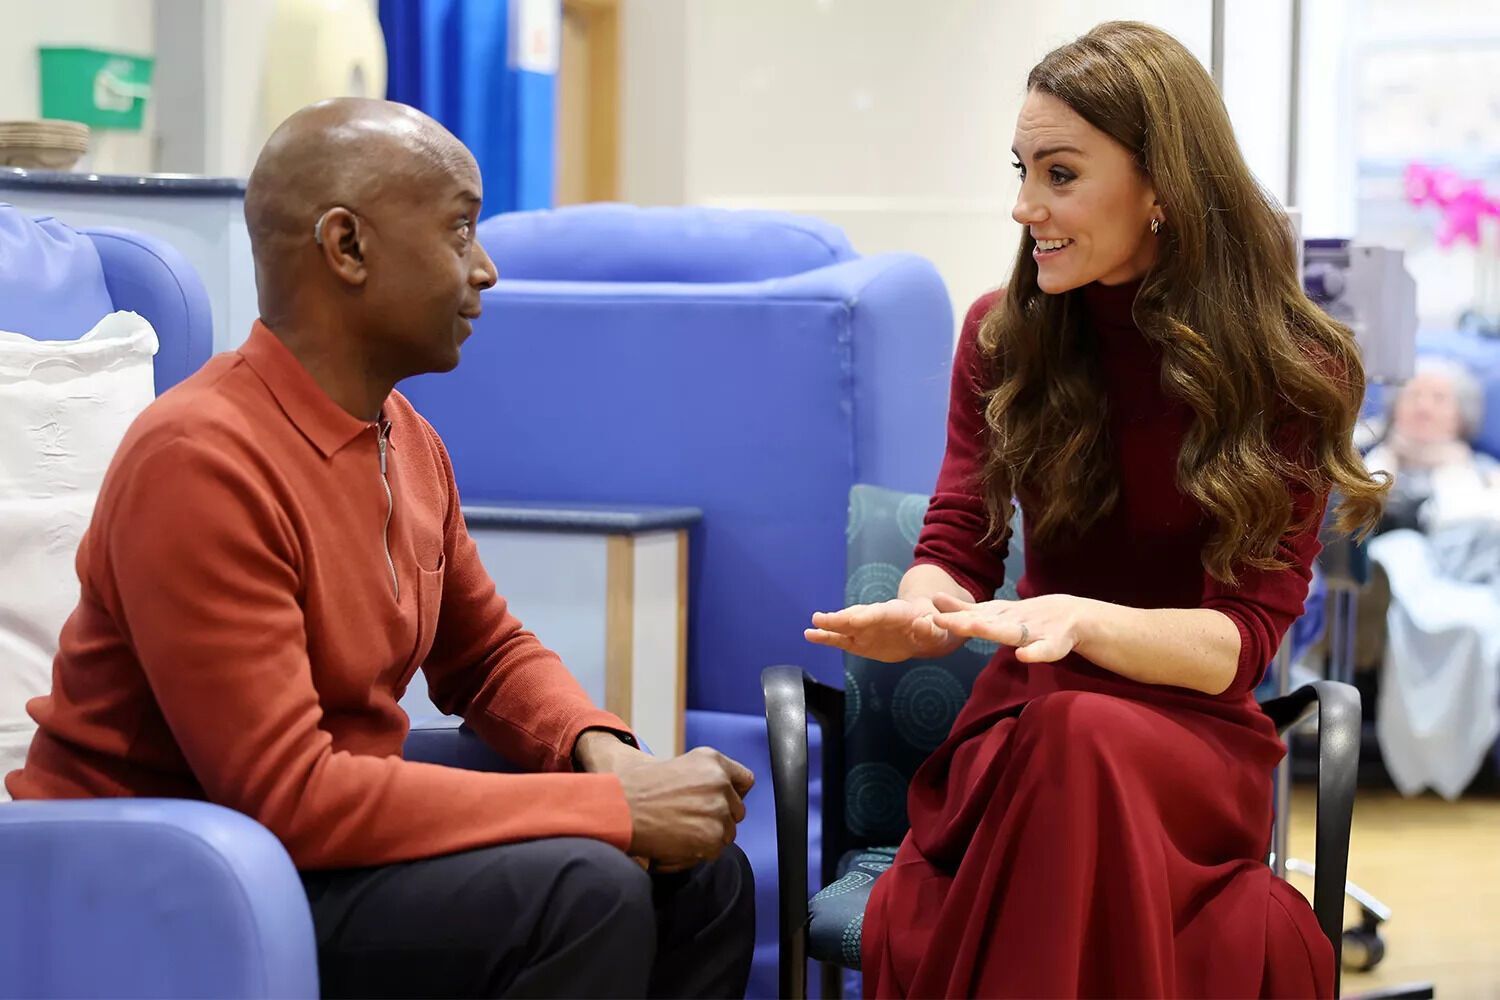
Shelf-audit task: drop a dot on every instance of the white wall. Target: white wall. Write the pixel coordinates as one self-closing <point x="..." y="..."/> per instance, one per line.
<point x="234" y="48"/>
<point x="210" y="53"/>
<point x="1257" y="85"/>
<point x="116" y="25"/>
<point x="1431" y="116"/>
<point x="1326" y="174"/>
<point x="891" y="118"/>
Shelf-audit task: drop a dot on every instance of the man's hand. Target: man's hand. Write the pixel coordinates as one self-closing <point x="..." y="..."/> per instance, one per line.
<point x="601" y="751"/>
<point x="684" y="811"/>
<point x="891" y="631"/>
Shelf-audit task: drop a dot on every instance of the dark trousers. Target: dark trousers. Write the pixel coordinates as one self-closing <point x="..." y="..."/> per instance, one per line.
<point x="563" y="917"/>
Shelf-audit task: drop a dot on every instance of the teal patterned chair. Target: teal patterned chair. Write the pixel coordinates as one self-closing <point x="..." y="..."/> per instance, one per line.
<point x="892" y="717"/>
<point x="888" y="717"/>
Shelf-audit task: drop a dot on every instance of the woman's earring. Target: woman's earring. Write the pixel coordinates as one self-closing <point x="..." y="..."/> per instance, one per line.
<point x="1155" y="226"/>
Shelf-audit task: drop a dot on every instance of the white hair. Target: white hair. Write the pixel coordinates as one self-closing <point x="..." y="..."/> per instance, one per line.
<point x="1467" y="390"/>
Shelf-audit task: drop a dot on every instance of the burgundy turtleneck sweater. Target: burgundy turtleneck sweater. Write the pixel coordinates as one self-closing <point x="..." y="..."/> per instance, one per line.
<point x="1145" y="553"/>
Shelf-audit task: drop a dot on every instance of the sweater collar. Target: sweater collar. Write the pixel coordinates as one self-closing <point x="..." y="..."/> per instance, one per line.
<point x="311" y="410"/>
<point x="1112" y="305"/>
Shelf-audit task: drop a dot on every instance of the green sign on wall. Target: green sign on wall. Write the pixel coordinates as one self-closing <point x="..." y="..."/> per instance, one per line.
<point x="98" y="88"/>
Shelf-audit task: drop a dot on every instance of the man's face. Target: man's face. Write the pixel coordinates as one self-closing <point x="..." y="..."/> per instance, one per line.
<point x="426" y="267"/>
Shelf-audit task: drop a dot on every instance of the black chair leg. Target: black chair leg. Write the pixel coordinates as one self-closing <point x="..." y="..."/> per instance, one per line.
<point x="1337" y="707"/>
<point x="832" y="982"/>
<point x="1338" y="768"/>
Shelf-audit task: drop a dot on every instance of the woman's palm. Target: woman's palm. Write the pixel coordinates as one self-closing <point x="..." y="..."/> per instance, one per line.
<point x="891" y="631"/>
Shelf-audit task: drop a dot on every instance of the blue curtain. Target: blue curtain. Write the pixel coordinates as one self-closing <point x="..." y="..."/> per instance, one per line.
<point x="451" y="59"/>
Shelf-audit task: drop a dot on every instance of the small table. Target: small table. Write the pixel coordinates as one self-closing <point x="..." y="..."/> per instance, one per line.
<point x="606" y="587"/>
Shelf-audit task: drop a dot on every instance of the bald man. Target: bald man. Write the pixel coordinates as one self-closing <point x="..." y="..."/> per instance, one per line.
<point x="278" y="547"/>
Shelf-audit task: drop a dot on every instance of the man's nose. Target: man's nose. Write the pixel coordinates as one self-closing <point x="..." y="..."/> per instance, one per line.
<point x="485" y="274"/>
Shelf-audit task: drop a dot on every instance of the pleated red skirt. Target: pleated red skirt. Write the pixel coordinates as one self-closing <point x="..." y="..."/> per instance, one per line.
<point x="1093" y="845"/>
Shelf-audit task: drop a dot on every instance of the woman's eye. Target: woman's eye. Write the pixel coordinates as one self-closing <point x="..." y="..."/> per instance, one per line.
<point x="1020" y="170"/>
<point x="1059" y="175"/>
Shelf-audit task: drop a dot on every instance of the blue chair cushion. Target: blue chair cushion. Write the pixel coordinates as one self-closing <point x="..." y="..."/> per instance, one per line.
<point x="895" y="716"/>
<point x="623" y="243"/>
<point x="837" y="913"/>
<point x="52" y="284"/>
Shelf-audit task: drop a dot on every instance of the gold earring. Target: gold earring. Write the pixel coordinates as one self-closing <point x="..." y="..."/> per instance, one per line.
<point x="1155" y="226"/>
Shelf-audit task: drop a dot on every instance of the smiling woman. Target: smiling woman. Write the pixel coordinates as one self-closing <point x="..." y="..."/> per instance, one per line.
<point x="1092" y="215"/>
<point x="1170" y="412"/>
<point x="1131" y="173"/>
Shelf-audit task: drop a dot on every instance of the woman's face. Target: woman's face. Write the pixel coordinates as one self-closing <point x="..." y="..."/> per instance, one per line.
<point x="1084" y="200"/>
<point x="1427" y="410"/>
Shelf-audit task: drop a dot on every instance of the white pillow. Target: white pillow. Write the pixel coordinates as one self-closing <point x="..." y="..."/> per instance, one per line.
<point x="64" y="406"/>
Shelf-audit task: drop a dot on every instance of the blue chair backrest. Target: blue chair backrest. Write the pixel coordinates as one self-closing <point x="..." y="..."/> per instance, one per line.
<point x="759" y="402"/>
<point x="624" y="243"/>
<point x="56" y="283"/>
<point x="897" y="714"/>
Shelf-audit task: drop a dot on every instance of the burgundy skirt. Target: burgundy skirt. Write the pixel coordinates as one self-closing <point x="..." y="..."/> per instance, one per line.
<point x="1090" y="844"/>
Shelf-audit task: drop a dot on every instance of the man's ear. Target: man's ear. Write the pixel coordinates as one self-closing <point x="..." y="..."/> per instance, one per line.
<point x="339" y="237"/>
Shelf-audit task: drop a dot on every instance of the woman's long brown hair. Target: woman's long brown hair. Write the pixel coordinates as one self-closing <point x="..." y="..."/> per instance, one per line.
<point x="1275" y="385"/>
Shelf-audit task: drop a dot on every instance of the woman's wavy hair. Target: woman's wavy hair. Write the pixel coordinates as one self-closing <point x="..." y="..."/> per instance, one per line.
<point x="1275" y="385"/>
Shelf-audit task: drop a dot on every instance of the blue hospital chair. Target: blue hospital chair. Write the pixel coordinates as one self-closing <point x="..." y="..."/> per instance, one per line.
<point x="750" y="364"/>
<point x="146" y="897"/>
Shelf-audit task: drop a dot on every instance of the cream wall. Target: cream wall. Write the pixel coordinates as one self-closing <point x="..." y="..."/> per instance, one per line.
<point x="891" y="118"/>
<point x="117" y="25"/>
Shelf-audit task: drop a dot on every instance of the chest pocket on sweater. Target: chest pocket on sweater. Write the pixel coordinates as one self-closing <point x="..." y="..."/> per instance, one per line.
<point x="429" y="606"/>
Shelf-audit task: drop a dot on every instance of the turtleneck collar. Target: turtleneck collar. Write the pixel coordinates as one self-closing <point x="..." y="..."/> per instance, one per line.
<point x="1111" y="305"/>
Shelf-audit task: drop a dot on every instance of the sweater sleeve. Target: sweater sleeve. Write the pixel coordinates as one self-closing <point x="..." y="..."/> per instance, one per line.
<point x="1265" y="603"/>
<point x="954" y="529"/>
<point x="514" y="691"/>
<point x="214" y="618"/>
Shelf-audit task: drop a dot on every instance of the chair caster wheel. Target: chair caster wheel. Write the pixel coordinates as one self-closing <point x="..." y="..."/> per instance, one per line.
<point x="1363" y="948"/>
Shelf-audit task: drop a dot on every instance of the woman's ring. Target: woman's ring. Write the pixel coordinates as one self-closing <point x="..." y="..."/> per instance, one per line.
<point x="1025" y="635"/>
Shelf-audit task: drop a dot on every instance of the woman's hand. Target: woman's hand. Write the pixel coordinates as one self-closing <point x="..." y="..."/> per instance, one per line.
<point x="891" y="631"/>
<point x="1043" y="629"/>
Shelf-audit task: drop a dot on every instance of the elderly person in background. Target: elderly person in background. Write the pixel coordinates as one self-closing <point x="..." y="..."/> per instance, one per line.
<point x="1430" y="620"/>
<point x="1438" y="477"/>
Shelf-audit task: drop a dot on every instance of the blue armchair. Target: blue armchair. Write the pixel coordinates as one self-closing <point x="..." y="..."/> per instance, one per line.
<point x="135" y="897"/>
<point x="147" y="897"/>
<point x="749" y="364"/>
<point x="165" y="898"/>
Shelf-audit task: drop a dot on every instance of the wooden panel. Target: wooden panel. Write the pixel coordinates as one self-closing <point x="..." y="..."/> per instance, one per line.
<point x="588" y="103"/>
<point x="658" y="647"/>
<point x="682" y="637"/>
<point x="619" y="628"/>
<point x="573" y="107"/>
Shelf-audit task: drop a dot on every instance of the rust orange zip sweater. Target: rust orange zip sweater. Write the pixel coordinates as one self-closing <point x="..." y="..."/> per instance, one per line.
<point x="253" y="605"/>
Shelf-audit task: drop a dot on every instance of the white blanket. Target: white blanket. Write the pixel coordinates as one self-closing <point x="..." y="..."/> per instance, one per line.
<point x="64" y="406"/>
<point x="1439" y="709"/>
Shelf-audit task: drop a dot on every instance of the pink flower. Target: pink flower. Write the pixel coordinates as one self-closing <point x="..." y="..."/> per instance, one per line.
<point x="1462" y="202"/>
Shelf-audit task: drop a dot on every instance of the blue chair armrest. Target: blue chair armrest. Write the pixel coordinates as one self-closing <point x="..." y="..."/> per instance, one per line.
<point x="151" y="277"/>
<point x="149" y="898"/>
<point x="447" y="740"/>
<point x="444" y="739"/>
